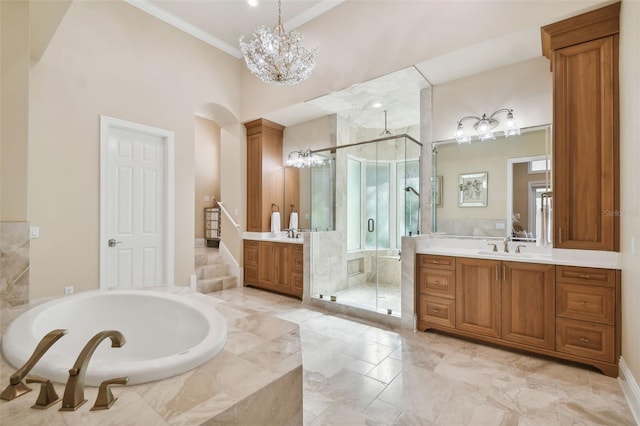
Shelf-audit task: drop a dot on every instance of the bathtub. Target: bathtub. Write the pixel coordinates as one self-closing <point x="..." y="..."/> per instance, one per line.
<point x="166" y="334"/>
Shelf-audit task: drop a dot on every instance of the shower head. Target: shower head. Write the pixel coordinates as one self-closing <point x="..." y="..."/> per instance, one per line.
<point x="412" y="189"/>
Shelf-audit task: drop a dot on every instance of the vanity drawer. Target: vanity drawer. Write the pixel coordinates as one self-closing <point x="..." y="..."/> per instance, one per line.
<point x="586" y="339"/>
<point x="297" y="259"/>
<point x="297" y="282"/>
<point x="250" y="274"/>
<point x="437" y="310"/>
<point x="438" y="282"/>
<point x="586" y="276"/>
<point x="433" y="261"/>
<point x="586" y="302"/>
<point x="251" y="253"/>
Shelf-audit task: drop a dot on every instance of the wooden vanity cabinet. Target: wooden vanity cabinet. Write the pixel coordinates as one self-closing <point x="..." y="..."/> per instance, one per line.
<point x="274" y="266"/>
<point x="583" y="51"/>
<point x="566" y="312"/>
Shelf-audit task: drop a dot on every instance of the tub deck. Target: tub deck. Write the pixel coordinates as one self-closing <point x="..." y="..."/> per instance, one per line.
<point x="258" y="375"/>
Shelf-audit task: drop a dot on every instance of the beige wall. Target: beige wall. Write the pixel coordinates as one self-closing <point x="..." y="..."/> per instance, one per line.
<point x="14" y="110"/>
<point x="111" y="58"/>
<point x="207" y="168"/>
<point x="525" y="87"/>
<point x="629" y="194"/>
<point x="233" y="186"/>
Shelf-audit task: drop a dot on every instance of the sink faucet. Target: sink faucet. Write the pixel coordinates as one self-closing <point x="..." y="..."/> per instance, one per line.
<point x="506" y="245"/>
<point x="16" y="387"/>
<point x="74" y="390"/>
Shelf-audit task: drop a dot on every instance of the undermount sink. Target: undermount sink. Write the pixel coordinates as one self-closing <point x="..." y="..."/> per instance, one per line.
<point x="502" y="253"/>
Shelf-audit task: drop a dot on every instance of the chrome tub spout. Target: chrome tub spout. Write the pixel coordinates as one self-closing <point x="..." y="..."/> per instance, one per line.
<point x="74" y="390"/>
<point x="16" y="387"/>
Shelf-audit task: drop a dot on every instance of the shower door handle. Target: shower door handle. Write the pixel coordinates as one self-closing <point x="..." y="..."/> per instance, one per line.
<point x="371" y="225"/>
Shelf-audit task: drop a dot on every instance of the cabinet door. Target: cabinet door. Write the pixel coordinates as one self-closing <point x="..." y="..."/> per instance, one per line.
<point x="478" y="296"/>
<point x="266" y="264"/>
<point x="254" y="183"/>
<point x="528" y="308"/>
<point x="585" y="146"/>
<point x="282" y="268"/>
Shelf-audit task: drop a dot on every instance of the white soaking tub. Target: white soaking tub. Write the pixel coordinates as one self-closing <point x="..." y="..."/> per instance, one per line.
<point x="166" y="334"/>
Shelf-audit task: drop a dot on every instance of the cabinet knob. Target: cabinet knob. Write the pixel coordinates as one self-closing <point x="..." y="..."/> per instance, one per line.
<point x="584" y="339"/>
<point x="586" y="277"/>
<point x="583" y="303"/>
<point x="435" y="261"/>
<point x="435" y="310"/>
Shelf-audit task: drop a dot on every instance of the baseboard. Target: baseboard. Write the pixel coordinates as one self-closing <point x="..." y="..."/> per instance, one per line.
<point x="630" y="389"/>
<point x="234" y="266"/>
<point x="200" y="242"/>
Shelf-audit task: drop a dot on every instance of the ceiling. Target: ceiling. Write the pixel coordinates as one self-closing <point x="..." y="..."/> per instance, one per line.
<point x="222" y="22"/>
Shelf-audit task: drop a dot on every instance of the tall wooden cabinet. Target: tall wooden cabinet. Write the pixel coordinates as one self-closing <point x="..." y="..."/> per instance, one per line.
<point x="583" y="51"/>
<point x="265" y="184"/>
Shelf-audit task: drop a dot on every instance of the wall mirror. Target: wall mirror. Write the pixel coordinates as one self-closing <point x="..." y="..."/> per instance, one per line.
<point x="503" y="182"/>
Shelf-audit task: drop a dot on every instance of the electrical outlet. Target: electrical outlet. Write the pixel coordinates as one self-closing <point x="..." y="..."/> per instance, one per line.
<point x="68" y="290"/>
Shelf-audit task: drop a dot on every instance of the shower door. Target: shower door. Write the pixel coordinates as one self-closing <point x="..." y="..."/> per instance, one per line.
<point x="356" y="258"/>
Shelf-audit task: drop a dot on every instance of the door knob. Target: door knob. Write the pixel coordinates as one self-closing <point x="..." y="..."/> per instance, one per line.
<point x="112" y="242"/>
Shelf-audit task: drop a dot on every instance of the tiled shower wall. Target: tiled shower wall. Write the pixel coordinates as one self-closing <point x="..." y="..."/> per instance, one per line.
<point x="14" y="263"/>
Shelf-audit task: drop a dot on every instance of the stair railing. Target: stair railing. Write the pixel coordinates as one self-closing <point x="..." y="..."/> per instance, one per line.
<point x="224" y="210"/>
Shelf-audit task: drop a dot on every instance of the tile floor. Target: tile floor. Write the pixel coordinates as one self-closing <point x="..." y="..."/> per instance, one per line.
<point x="358" y="373"/>
<point x="365" y="294"/>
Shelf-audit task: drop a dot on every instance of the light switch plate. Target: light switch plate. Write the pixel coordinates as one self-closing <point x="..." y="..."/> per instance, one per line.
<point x="35" y="232"/>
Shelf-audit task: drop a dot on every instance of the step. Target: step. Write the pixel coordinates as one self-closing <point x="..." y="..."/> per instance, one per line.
<point x="216" y="284"/>
<point x="207" y="257"/>
<point x="214" y="270"/>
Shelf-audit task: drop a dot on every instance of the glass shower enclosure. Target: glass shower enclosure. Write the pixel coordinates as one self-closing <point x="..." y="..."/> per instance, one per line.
<point x="364" y="198"/>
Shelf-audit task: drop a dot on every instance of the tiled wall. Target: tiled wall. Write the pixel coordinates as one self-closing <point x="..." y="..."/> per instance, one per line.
<point x="14" y="263"/>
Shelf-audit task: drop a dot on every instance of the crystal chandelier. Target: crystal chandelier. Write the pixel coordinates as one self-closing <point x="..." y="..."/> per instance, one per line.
<point x="278" y="57"/>
<point x="484" y="126"/>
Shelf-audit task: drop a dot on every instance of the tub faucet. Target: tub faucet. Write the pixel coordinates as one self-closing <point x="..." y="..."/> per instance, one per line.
<point x="74" y="390"/>
<point x="16" y="387"/>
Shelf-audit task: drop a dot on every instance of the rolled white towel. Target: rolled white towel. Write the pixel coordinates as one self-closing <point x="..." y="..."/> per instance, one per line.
<point x="293" y="220"/>
<point x="275" y="222"/>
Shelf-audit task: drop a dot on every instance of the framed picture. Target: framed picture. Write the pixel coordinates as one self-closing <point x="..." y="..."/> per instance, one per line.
<point x="437" y="194"/>
<point x="473" y="190"/>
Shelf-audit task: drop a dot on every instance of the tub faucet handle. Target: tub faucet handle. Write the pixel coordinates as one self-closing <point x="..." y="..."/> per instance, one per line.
<point x="16" y="388"/>
<point x="48" y="395"/>
<point x="105" y="397"/>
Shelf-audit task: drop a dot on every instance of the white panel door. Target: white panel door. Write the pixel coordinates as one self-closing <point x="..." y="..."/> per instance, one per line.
<point x="135" y="209"/>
